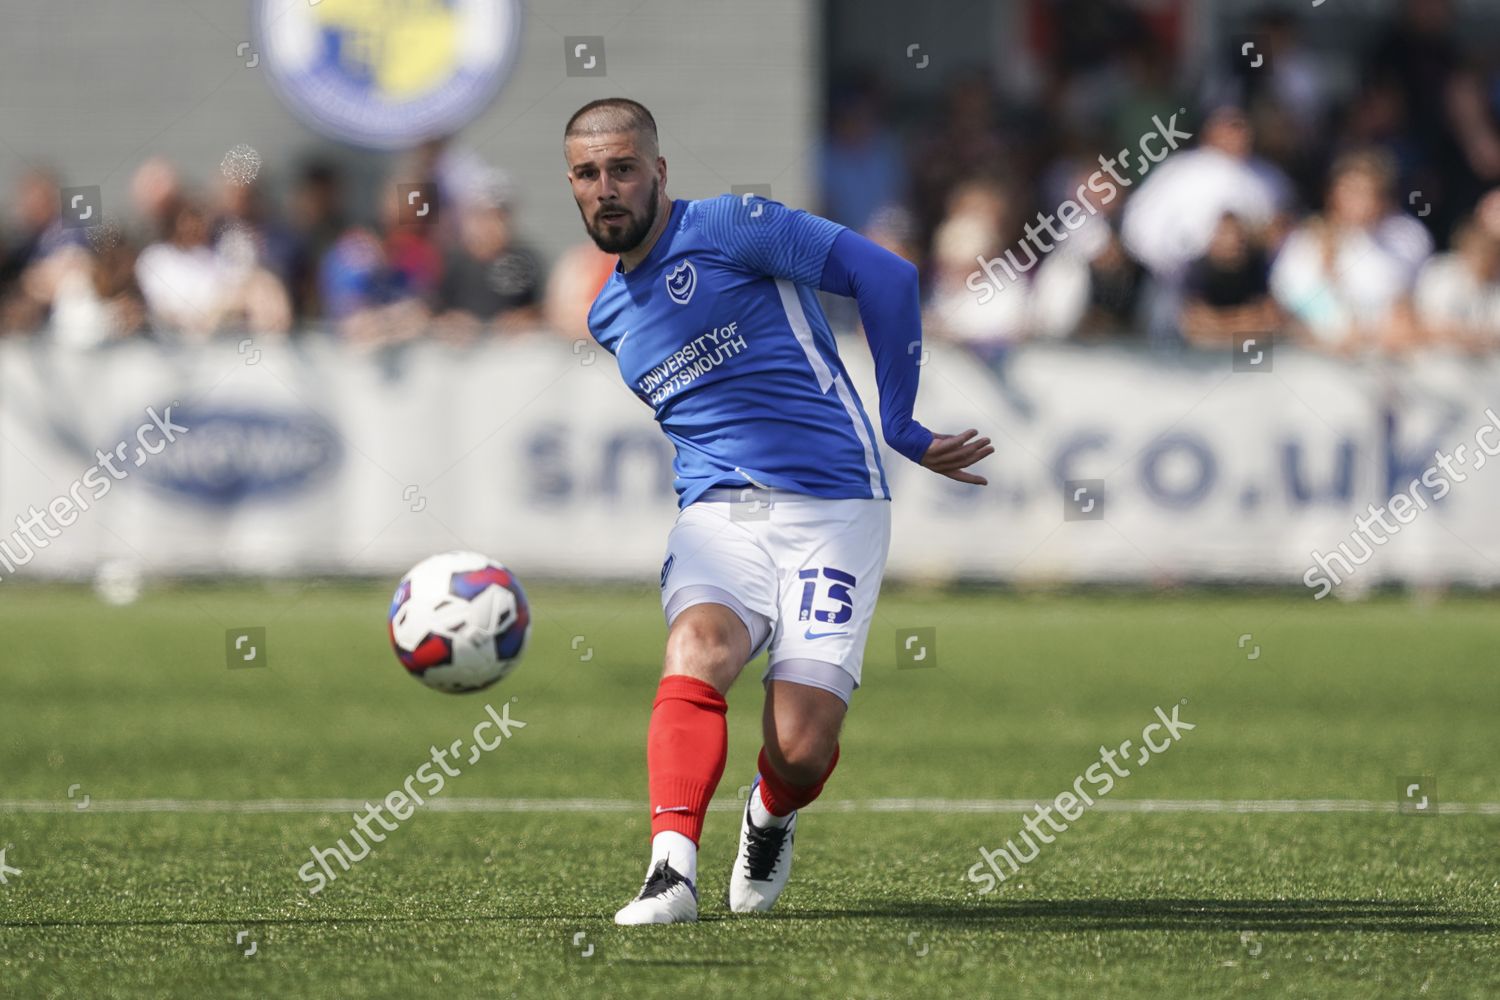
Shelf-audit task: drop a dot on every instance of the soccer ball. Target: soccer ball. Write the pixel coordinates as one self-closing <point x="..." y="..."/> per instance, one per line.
<point x="459" y="621"/>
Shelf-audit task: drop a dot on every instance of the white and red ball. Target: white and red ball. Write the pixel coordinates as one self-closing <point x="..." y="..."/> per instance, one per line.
<point x="459" y="621"/>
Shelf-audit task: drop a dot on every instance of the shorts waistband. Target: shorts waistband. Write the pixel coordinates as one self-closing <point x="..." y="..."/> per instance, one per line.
<point x="747" y="494"/>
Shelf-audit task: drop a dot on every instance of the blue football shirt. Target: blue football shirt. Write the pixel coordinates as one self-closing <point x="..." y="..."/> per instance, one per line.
<point x="720" y="332"/>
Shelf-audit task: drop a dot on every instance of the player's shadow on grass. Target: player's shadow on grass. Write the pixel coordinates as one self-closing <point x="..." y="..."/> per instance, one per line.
<point x="1393" y="916"/>
<point x="1064" y="915"/>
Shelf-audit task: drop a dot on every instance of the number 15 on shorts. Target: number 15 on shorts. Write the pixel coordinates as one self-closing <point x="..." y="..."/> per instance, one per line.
<point x="836" y="590"/>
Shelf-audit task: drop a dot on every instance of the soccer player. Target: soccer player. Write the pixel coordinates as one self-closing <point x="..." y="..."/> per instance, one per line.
<point x="783" y="523"/>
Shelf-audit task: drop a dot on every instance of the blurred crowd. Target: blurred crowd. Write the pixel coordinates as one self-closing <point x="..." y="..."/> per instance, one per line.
<point x="1356" y="212"/>
<point x="190" y="265"/>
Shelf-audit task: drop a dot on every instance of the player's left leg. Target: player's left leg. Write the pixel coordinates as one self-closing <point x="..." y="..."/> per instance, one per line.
<point x="833" y="555"/>
<point x="800" y="727"/>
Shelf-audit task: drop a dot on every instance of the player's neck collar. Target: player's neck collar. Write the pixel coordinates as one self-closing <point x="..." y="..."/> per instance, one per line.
<point x="659" y="248"/>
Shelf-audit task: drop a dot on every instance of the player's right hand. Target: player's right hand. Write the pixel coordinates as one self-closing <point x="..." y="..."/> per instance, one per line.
<point x="950" y="454"/>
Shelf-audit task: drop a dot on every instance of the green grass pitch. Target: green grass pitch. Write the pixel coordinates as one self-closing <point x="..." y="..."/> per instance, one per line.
<point x="514" y="899"/>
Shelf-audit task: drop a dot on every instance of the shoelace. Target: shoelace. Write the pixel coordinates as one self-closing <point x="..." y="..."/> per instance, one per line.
<point x="763" y="850"/>
<point x="659" y="881"/>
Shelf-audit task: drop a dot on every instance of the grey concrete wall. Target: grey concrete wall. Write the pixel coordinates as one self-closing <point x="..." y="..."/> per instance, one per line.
<point x="94" y="87"/>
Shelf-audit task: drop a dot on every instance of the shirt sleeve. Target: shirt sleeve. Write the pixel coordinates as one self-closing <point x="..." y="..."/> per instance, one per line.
<point x="766" y="237"/>
<point x="885" y="287"/>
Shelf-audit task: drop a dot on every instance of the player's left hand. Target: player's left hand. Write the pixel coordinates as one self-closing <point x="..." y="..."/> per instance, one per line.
<point x="950" y="454"/>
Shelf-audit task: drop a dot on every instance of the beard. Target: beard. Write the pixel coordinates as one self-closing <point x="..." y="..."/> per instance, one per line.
<point x="622" y="237"/>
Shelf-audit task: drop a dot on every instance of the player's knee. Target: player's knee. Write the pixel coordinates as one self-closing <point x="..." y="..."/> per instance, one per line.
<point x="801" y="754"/>
<point x="705" y="646"/>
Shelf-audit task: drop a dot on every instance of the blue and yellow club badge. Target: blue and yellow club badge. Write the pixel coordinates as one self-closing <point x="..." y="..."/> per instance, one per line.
<point x="387" y="73"/>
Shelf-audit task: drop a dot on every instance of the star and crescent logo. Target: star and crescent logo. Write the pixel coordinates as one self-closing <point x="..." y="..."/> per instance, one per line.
<point x="681" y="282"/>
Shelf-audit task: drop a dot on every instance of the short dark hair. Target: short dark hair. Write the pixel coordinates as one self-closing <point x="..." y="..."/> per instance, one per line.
<point x="612" y="114"/>
<point x="1374" y="163"/>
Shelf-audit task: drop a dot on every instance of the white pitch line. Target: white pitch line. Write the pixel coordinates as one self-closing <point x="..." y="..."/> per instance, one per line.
<point x="1160" y="806"/>
<point x="922" y="806"/>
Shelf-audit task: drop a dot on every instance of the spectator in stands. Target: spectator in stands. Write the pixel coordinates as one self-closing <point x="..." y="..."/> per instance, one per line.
<point x="1227" y="291"/>
<point x="39" y="234"/>
<point x="1376" y="119"/>
<point x="1145" y="88"/>
<point x="193" y="292"/>
<point x="1090" y="287"/>
<point x="316" y="216"/>
<point x="862" y="166"/>
<point x="1473" y="105"/>
<point x="1170" y="218"/>
<point x="1091" y="291"/>
<point x="369" y="301"/>
<point x="1278" y="70"/>
<point x="412" y="247"/>
<point x="1289" y="100"/>
<point x="86" y="295"/>
<point x="1299" y="81"/>
<point x="1458" y="293"/>
<point x="489" y="281"/>
<point x="244" y="227"/>
<point x="455" y="173"/>
<point x="1448" y="124"/>
<point x="155" y="194"/>
<point x="374" y="284"/>
<point x="572" y="286"/>
<point x="1090" y="76"/>
<point x="955" y="311"/>
<point x="965" y="142"/>
<point x="893" y="228"/>
<point x="1487" y="213"/>
<point x="1346" y="276"/>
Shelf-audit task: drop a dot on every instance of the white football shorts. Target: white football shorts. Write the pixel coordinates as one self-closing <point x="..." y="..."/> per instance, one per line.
<point x="802" y="572"/>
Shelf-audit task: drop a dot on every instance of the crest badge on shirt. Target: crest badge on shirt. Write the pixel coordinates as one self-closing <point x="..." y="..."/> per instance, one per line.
<point x="682" y="280"/>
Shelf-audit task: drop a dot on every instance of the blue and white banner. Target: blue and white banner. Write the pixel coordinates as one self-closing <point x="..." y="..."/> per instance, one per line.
<point x="1109" y="465"/>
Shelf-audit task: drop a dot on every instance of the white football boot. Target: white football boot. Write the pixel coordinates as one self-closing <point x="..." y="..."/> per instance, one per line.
<point x="762" y="864"/>
<point x="666" y="898"/>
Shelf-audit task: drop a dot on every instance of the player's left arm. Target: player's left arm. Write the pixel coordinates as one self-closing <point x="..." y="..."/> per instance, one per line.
<point x="769" y="238"/>
<point x="886" y="288"/>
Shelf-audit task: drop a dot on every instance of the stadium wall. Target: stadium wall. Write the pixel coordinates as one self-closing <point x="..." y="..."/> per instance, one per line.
<point x="184" y="82"/>
<point x="315" y="458"/>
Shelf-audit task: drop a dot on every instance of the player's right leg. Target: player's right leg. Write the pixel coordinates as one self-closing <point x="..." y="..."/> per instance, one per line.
<point x="686" y="745"/>
<point x="717" y="587"/>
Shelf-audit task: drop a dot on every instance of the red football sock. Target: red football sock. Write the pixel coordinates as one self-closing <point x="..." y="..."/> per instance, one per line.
<point x="685" y="750"/>
<point x="780" y="798"/>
